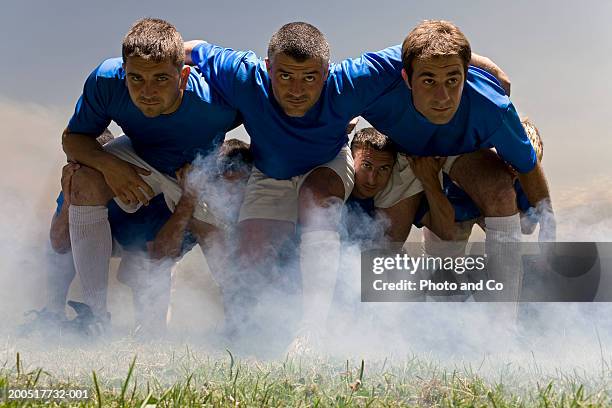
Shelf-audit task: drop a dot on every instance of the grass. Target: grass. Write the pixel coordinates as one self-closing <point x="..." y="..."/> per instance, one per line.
<point x="126" y="374"/>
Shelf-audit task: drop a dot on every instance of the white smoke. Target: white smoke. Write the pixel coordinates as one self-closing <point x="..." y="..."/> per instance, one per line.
<point x="32" y="160"/>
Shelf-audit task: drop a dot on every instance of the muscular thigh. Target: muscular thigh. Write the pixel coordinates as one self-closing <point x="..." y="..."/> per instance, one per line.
<point x="259" y="239"/>
<point x="322" y="189"/>
<point x="488" y="182"/>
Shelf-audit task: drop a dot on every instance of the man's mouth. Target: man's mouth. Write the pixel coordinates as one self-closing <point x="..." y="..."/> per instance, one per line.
<point x="441" y="109"/>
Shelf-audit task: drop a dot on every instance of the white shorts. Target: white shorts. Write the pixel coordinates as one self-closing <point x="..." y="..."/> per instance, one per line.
<point x="273" y="199"/>
<point x="403" y="183"/>
<point x="159" y="182"/>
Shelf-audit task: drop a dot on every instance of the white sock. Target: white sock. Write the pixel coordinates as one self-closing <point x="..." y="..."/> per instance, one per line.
<point x="92" y="242"/>
<point x="503" y="229"/>
<point x="434" y="245"/>
<point x="502" y="246"/>
<point x="60" y="273"/>
<point x="319" y="261"/>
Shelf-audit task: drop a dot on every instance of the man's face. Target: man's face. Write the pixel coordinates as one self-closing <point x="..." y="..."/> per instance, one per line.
<point x="372" y="171"/>
<point x="437" y="84"/>
<point x="296" y="85"/>
<point x="156" y="88"/>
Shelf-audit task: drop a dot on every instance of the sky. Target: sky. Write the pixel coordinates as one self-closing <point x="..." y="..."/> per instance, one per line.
<point x="557" y="54"/>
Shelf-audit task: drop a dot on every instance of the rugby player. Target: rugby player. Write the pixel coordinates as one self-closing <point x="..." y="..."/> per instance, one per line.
<point x="447" y="109"/>
<point x="169" y="114"/>
<point x="375" y="156"/>
<point x="296" y="107"/>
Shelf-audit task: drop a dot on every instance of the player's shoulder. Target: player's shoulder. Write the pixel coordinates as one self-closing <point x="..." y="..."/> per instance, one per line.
<point x="485" y="91"/>
<point x="111" y="68"/>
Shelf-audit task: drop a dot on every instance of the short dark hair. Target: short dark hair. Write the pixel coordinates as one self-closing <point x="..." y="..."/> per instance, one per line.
<point x="370" y="137"/>
<point x="234" y="155"/>
<point x="299" y="41"/>
<point x="155" y="40"/>
<point x="435" y="38"/>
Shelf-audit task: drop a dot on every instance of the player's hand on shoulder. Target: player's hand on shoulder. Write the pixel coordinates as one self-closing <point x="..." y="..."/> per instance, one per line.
<point x="125" y="180"/>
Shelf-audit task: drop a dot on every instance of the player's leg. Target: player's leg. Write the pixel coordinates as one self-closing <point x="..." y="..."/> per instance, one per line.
<point x="150" y="282"/>
<point x="486" y="179"/>
<point x="90" y="233"/>
<point x="90" y="236"/>
<point x="265" y="230"/>
<point x="322" y="194"/>
<point x="60" y="274"/>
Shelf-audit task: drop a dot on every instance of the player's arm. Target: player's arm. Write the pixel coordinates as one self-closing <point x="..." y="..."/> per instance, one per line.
<point x="441" y="216"/>
<point x="535" y="186"/>
<point x="169" y="240"/>
<point x="59" y="233"/>
<point x="189" y="46"/>
<point x="513" y="145"/>
<point x="492" y="68"/>
<point x="123" y="178"/>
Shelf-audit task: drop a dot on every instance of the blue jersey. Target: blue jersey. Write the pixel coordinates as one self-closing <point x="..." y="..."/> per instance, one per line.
<point x="284" y="146"/>
<point x="166" y="142"/>
<point x="133" y="230"/>
<point x="485" y="118"/>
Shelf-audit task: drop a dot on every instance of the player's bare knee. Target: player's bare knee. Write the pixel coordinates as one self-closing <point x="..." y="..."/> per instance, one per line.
<point x="89" y="188"/>
<point x="498" y="199"/>
<point x="322" y="188"/>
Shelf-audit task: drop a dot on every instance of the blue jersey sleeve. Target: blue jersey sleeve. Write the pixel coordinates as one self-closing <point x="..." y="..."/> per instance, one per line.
<point x="362" y="80"/>
<point x="512" y="143"/>
<point x="60" y="203"/>
<point x="224" y="68"/>
<point x="90" y="115"/>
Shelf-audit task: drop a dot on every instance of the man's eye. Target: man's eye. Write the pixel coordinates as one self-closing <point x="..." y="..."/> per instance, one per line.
<point x="162" y="78"/>
<point x="366" y="166"/>
<point x="453" y="81"/>
<point x="385" y="169"/>
<point x="428" y="81"/>
<point x="285" y="77"/>
<point x="135" y="79"/>
<point x="309" y="78"/>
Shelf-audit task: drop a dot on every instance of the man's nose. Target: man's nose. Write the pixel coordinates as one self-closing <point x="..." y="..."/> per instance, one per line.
<point x="148" y="90"/>
<point x="372" y="177"/>
<point x="441" y="93"/>
<point x="296" y="88"/>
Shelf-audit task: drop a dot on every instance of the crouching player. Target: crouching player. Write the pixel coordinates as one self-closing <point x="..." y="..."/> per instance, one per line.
<point x="449" y="109"/>
<point x="149" y="242"/>
<point x="169" y="114"/>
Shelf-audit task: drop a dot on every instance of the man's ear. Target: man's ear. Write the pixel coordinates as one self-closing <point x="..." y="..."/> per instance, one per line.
<point x="185" y="76"/>
<point x="405" y="77"/>
<point x="268" y="65"/>
<point x="326" y="72"/>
